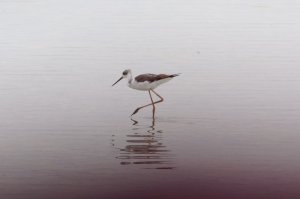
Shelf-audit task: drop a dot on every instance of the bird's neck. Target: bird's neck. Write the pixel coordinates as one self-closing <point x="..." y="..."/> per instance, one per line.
<point x="129" y="78"/>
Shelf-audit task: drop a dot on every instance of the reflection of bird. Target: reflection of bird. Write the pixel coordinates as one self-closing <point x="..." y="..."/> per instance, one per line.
<point x="146" y="82"/>
<point x="144" y="146"/>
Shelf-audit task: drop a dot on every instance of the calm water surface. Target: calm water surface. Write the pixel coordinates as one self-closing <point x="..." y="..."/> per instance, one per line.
<point x="229" y="126"/>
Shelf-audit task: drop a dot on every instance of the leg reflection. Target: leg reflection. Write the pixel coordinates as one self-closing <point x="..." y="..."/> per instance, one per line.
<point x="144" y="146"/>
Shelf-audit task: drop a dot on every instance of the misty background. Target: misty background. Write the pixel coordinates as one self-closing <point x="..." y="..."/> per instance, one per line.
<point x="230" y="121"/>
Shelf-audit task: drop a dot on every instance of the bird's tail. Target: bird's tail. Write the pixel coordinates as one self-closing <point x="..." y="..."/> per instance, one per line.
<point x="174" y="75"/>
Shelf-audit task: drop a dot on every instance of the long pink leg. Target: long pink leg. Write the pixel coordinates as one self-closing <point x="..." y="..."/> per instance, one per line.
<point x="153" y="110"/>
<point x="161" y="100"/>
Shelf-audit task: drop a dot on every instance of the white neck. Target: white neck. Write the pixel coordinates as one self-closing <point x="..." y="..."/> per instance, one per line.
<point x="129" y="78"/>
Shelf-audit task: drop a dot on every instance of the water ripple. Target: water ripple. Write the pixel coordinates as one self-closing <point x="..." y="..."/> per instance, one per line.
<point x="145" y="147"/>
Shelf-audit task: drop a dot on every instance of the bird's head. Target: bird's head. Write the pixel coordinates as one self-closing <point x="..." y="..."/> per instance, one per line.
<point x="124" y="75"/>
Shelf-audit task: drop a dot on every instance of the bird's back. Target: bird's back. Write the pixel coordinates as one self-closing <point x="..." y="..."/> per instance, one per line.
<point x="150" y="81"/>
<point x="152" y="77"/>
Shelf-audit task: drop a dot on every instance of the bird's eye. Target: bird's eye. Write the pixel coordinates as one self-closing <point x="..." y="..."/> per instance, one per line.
<point x="124" y="73"/>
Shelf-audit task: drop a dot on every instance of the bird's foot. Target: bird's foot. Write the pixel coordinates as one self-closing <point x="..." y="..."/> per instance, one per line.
<point x="136" y="110"/>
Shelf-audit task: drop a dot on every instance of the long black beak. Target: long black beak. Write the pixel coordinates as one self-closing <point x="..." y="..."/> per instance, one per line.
<point x="117" y="81"/>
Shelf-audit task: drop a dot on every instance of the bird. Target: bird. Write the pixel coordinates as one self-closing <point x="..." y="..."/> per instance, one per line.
<point x="146" y="82"/>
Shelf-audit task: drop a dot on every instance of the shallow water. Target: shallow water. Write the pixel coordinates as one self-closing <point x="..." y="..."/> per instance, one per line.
<point x="229" y="125"/>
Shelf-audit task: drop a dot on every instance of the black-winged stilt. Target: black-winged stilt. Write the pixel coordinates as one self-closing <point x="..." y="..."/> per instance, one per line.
<point x="146" y="82"/>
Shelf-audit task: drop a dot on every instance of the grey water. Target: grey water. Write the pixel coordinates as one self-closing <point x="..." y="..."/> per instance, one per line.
<point x="228" y="128"/>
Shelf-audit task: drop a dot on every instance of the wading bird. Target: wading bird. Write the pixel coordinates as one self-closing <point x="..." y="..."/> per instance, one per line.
<point x="146" y="82"/>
